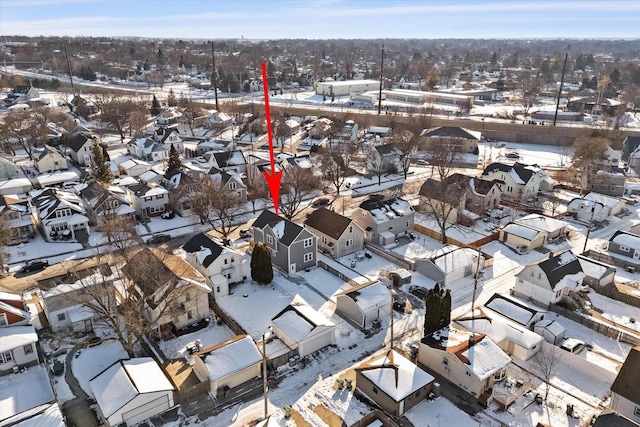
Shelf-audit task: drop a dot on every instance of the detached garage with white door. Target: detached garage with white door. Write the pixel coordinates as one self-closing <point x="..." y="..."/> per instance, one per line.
<point x="131" y="391"/>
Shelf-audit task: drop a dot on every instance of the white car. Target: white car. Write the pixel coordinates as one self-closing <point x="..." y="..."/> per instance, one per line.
<point x="572" y="345"/>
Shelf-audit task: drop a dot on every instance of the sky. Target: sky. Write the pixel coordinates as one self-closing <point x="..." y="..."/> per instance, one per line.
<point x="322" y="19"/>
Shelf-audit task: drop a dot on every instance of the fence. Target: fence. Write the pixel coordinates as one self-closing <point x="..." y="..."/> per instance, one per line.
<point x="323" y="265"/>
<point x="228" y="320"/>
<point x="376" y="414"/>
<point x="611" y="260"/>
<point x="390" y="256"/>
<point x="613" y="292"/>
<point x="599" y="327"/>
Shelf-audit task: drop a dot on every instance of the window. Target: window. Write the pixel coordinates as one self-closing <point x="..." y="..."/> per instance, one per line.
<point x="156" y="209"/>
<point x="308" y="242"/>
<point x="269" y="239"/>
<point x="636" y="412"/>
<point x="418" y="393"/>
<point x="445" y="360"/>
<point x="61" y="317"/>
<point x="391" y="227"/>
<point x="348" y="243"/>
<point x="407" y="223"/>
<point x="159" y="196"/>
<point x="624" y="248"/>
<point x="189" y="315"/>
<point x="351" y="229"/>
<point x="63" y="212"/>
<point x="232" y="185"/>
<point x="59" y="227"/>
<point x="217" y="288"/>
<point x="226" y="261"/>
<point x="3" y="320"/>
<point x="28" y="349"/>
<point x="468" y="373"/>
<point x="308" y="257"/>
<point x="375" y="390"/>
<point x="6" y="357"/>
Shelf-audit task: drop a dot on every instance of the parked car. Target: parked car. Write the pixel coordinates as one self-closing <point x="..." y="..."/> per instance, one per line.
<point x="245" y="233"/>
<point x="418" y="291"/>
<point x="35" y="266"/>
<point x="57" y="368"/>
<point x="323" y="201"/>
<point x="513" y="156"/>
<point x="399" y="303"/>
<point x="168" y="214"/>
<point x="572" y="345"/>
<point x="158" y="239"/>
<point x="422" y="162"/>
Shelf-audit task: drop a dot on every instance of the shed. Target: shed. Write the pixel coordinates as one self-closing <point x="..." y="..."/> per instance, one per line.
<point x="131" y="391"/>
<point x="550" y="330"/>
<point x="522" y="236"/>
<point x="596" y="273"/>
<point x="364" y="304"/>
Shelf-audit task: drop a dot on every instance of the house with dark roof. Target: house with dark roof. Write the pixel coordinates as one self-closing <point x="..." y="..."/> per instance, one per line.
<point x="546" y="282"/>
<point x="49" y="160"/>
<point x="101" y="201"/>
<point x="228" y="160"/>
<point x="625" y="393"/>
<point x="292" y="247"/>
<point x="59" y="214"/>
<point x="609" y="418"/>
<point x="629" y="145"/>
<point x="337" y="235"/>
<point x="182" y="186"/>
<point x="383" y="219"/>
<point x="18" y="223"/>
<point x="465" y="140"/>
<point x="231" y="180"/>
<point x="517" y="181"/>
<point x="169" y="137"/>
<point x="383" y="157"/>
<point x="148" y="201"/>
<point x="625" y="244"/>
<point x="22" y="94"/>
<point x="81" y="148"/>
<point x="221" y="265"/>
<point x="144" y="148"/>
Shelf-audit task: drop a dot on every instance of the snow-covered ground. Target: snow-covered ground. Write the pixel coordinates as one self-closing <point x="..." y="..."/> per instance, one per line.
<point x="210" y="336"/>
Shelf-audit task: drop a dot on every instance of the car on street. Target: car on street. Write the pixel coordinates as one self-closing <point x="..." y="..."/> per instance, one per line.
<point x="513" y="156"/>
<point x="93" y="341"/>
<point x="158" y="239"/>
<point x="323" y="201"/>
<point x="245" y="233"/>
<point x="418" y="291"/>
<point x="35" y="266"/>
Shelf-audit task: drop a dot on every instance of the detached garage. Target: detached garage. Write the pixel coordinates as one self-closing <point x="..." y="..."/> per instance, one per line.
<point x="522" y="236"/>
<point x="131" y="391"/>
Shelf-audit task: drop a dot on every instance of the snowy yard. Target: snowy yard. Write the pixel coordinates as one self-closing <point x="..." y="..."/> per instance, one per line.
<point x="210" y="336"/>
<point x="616" y="311"/>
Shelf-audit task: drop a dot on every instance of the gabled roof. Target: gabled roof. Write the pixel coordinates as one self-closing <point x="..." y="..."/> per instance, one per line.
<point x="206" y="249"/>
<point x="226" y="159"/>
<point x="512" y="309"/>
<point x="17" y="336"/>
<point x="559" y="266"/>
<point x="230" y="357"/>
<point x="48" y="200"/>
<point x="299" y="319"/>
<point x="284" y="230"/>
<point x="542" y="223"/>
<point x="451" y="132"/>
<point x="78" y="141"/>
<point x="626" y="239"/>
<point x="328" y="222"/>
<point x="523" y="172"/>
<point x="386" y="149"/>
<point x="48" y="150"/>
<point x="628" y="379"/>
<point x="449" y="190"/>
<point x="369" y="296"/>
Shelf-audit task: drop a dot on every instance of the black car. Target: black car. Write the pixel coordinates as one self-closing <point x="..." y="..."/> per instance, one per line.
<point x="245" y="233"/>
<point x="35" y="266"/>
<point x="158" y="239"/>
<point x="399" y="303"/>
<point x="168" y="215"/>
<point x="418" y="291"/>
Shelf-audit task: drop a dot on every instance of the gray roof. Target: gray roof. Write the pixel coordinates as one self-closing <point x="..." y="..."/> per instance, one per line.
<point x="626" y="383"/>
<point x="291" y="229"/>
<point x="450" y="132"/>
<point x="200" y="241"/>
<point x="328" y="222"/>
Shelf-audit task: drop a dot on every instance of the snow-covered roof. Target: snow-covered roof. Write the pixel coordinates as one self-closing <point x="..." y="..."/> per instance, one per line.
<point x="552" y="326"/>
<point x="593" y="268"/>
<point x="124" y="380"/>
<point x="521" y="231"/>
<point x="610" y="202"/>
<point x="541" y="222"/>
<point x="629" y="240"/>
<point x="293" y="325"/>
<point x="24" y="392"/>
<point x="499" y="329"/>
<point x="456" y="259"/>
<point x="410" y="377"/>
<point x="231" y="356"/>
<point x="17" y="336"/>
<point x="510" y="309"/>
<point x="370" y="296"/>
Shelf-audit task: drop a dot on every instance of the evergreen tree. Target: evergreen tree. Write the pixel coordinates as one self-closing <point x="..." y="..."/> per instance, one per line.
<point x="171" y="99"/>
<point x="437" y="310"/>
<point x="261" y="267"/>
<point x="174" y="164"/>
<point x="494" y="58"/>
<point x="155" y="106"/>
<point x="101" y="169"/>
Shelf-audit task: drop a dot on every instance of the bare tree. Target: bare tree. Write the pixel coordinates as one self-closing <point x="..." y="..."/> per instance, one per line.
<point x="120" y="231"/>
<point x="546" y="361"/>
<point x="257" y="190"/>
<point x="116" y="111"/>
<point x="297" y="184"/>
<point x="335" y="167"/>
<point x="376" y="164"/>
<point x="588" y="153"/>
<point x="441" y="201"/>
<point x="406" y="143"/>
<point x="217" y="205"/>
<point x="26" y="128"/>
<point x="444" y="153"/>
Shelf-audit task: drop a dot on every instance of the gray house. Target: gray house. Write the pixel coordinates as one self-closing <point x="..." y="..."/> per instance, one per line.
<point x="337" y="235"/>
<point x="292" y="247"/>
<point x="383" y="219"/>
<point x="625" y="244"/>
<point x="596" y="273"/>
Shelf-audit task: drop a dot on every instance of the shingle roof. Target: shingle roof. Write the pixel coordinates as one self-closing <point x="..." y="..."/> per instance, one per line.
<point x="200" y="241"/>
<point x="291" y="229"/>
<point x="559" y="266"/>
<point x="386" y="149"/>
<point x="626" y="383"/>
<point x="78" y="141"/>
<point x="328" y="222"/>
<point x="521" y="170"/>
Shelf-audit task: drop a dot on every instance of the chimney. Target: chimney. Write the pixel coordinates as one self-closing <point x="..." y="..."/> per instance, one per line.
<point x="550" y="254"/>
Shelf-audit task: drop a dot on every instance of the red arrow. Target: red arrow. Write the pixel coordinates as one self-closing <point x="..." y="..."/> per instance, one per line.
<point x="273" y="179"/>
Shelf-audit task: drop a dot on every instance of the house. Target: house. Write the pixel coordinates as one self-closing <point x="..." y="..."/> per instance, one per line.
<point x="18" y="222"/>
<point x="13" y="310"/>
<point x="8" y="169"/>
<point x="64" y="304"/>
<point x="131" y="391"/>
<point x="482" y="195"/>
<point x="144" y="148"/>
<point x="383" y="219"/>
<point x="609" y="418"/>
<point x="595" y="207"/>
<point x="27" y="400"/>
<point x="348" y="133"/>
<point x="148" y="201"/>
<point x="230" y="180"/>
<point x="18" y="348"/>
<point x="517" y="181"/>
<point x="169" y="118"/>
<point x="59" y="214"/>
<point x="594" y="105"/>
<point x="520" y="312"/>
<point x="625" y="244"/>
<point x="515" y="340"/>
<point x="218" y="120"/>
<point x="625" y="393"/>
<point x="228" y="160"/>
<point x="465" y="140"/>
<point x="629" y="145"/>
<point x="337" y="235"/>
<point x="596" y="273"/>
<point x="321" y="128"/>
<point x="50" y="160"/>
<point x="169" y="137"/>
<point x="134" y="167"/>
<point x="182" y="187"/>
<point x="22" y="95"/>
<point x="292" y="247"/>
<point x="469" y="360"/>
<point x="444" y="199"/>
<point x="220" y="265"/>
<point x="449" y="263"/>
<point x="230" y="364"/>
<point x="302" y="328"/>
<point x="365" y="305"/>
<point x="547" y="281"/>
<point x="383" y="158"/>
<point x="151" y="177"/>
<point x="176" y="294"/>
<point x="393" y="382"/>
<point x="82" y="107"/>
<point x="15" y="186"/>
<point x="81" y="148"/>
<point x="610" y="183"/>
<point x="106" y="201"/>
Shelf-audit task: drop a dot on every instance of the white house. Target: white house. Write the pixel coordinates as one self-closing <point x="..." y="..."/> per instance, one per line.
<point x="547" y="281"/>
<point x="365" y="304"/>
<point x="27" y="400"/>
<point x="18" y="348"/>
<point x="449" y="263"/>
<point x="470" y="361"/>
<point x="221" y="265"/>
<point x="516" y="181"/>
<point x="81" y="148"/>
<point x="49" y="160"/>
<point x="59" y="214"/>
<point x="301" y="327"/>
<point x="131" y="391"/>
<point x="148" y="200"/>
<point x="134" y="167"/>
<point x="231" y="363"/>
<point x="596" y="206"/>
<point x="147" y="149"/>
<point x="383" y="219"/>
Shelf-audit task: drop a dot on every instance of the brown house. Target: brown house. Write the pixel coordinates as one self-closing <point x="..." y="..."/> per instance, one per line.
<point x="13" y="310"/>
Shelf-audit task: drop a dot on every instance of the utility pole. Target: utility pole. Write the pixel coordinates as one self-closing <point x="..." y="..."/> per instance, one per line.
<point x="66" y="53"/>
<point x="593" y="209"/>
<point x="214" y="77"/>
<point x="555" y="117"/>
<point x="264" y="375"/>
<point x="380" y="90"/>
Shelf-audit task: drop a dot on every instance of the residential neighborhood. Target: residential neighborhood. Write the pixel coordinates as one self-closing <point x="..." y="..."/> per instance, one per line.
<point x="454" y="240"/>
